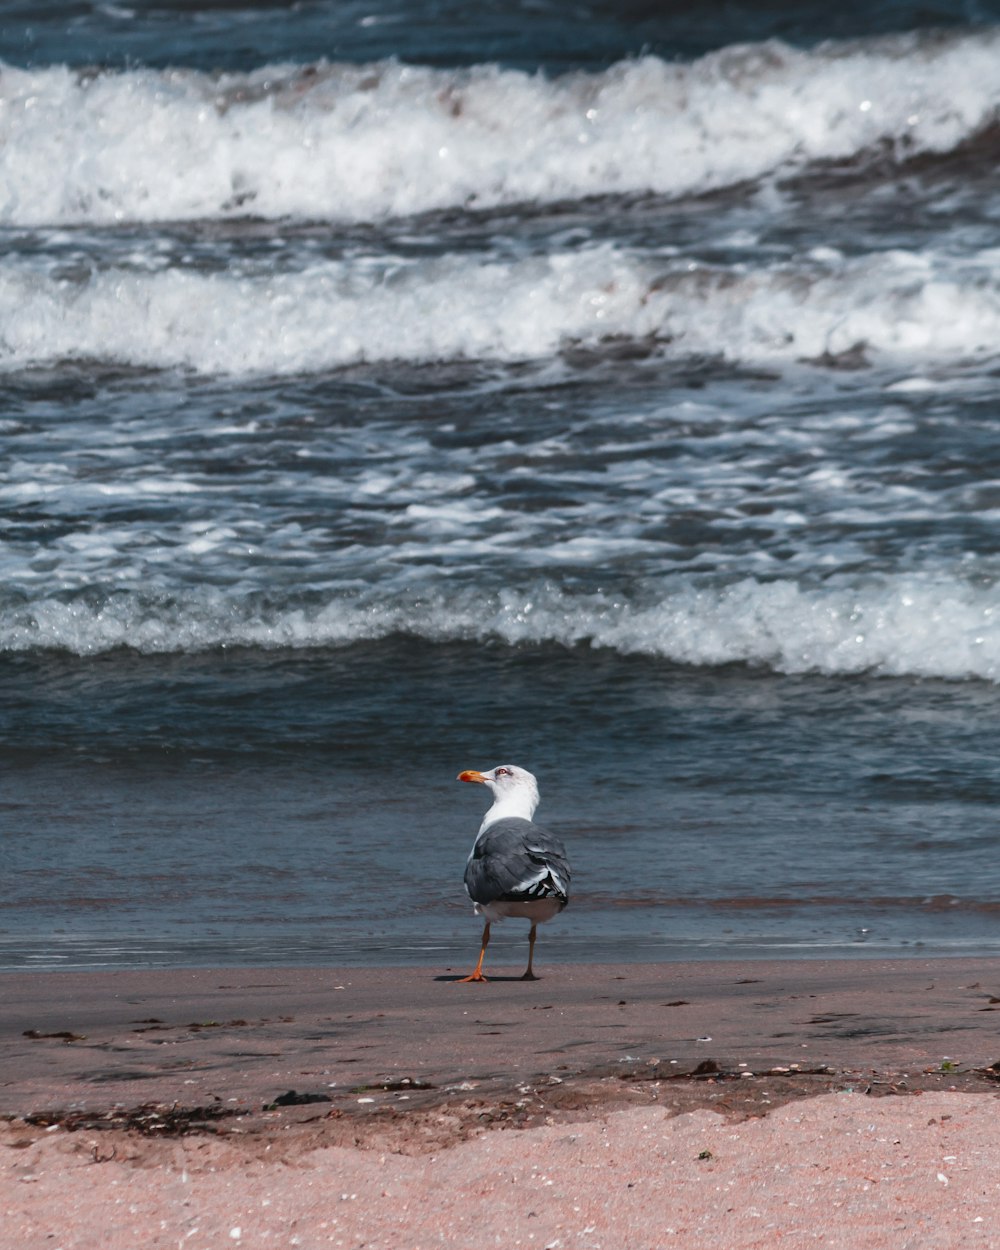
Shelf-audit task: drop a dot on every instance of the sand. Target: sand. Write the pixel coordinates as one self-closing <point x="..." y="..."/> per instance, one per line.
<point x="844" y="1103"/>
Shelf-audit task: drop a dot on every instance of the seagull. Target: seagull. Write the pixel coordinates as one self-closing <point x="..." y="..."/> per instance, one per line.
<point x="515" y="867"/>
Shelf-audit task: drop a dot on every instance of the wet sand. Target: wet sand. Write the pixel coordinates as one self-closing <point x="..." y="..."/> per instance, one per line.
<point x="650" y="1104"/>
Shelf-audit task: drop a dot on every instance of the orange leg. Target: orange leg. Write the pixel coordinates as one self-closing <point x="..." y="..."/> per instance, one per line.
<point x="478" y="974"/>
<point x="529" y="975"/>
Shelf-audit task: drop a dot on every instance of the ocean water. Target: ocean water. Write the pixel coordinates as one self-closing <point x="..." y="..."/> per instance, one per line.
<point x="390" y="388"/>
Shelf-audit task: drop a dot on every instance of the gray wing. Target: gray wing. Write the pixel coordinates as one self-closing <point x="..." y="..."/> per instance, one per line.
<point x="515" y="860"/>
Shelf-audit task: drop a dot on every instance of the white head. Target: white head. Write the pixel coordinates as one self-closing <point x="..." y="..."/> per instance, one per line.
<point x="515" y="791"/>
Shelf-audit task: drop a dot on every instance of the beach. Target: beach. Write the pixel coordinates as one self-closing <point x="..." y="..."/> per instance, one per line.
<point x="736" y="1104"/>
<point x="390" y="391"/>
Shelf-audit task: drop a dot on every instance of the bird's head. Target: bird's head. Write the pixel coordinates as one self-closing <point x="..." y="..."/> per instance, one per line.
<point x="515" y="790"/>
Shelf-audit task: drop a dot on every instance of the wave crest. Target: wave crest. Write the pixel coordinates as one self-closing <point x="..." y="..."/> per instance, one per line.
<point x="366" y="142"/>
<point x="901" y="625"/>
<point x="340" y="314"/>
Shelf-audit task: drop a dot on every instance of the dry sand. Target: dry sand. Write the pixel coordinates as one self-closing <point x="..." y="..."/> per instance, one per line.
<point x="849" y="1104"/>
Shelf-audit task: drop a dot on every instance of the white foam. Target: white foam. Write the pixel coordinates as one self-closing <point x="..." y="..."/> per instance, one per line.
<point x="931" y="306"/>
<point x="897" y="625"/>
<point x="362" y="142"/>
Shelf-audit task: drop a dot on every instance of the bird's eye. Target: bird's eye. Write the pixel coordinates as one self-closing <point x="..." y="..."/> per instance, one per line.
<point x="502" y="772"/>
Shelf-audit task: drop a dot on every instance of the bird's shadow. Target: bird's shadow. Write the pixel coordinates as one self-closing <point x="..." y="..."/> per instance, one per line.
<point x="456" y="978"/>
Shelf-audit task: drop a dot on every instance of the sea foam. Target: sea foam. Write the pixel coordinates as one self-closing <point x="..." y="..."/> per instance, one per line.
<point x="463" y="306"/>
<point x="895" y="625"/>
<point x="344" y="142"/>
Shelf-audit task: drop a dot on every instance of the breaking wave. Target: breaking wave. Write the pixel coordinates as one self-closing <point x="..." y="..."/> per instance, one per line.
<point x="898" y="625"/>
<point x="930" y="306"/>
<point x="345" y="142"/>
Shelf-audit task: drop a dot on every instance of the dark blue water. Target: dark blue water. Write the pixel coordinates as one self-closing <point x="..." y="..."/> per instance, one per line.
<point x="388" y="392"/>
<point x="531" y="35"/>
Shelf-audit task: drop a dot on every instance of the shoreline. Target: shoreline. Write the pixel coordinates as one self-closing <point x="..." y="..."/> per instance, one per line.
<point x="600" y="1106"/>
<point x="90" y="1042"/>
